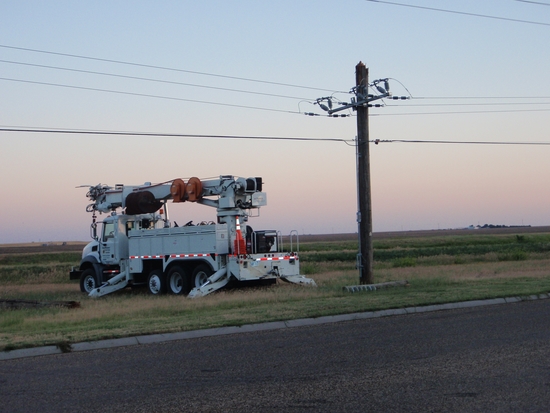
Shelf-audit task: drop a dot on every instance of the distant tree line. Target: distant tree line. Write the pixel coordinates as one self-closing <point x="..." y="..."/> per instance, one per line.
<point x="498" y="226"/>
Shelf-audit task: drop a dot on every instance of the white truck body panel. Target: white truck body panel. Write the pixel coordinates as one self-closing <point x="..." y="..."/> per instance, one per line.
<point x="179" y="240"/>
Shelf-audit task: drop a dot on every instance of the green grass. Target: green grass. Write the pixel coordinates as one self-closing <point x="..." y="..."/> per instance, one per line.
<point x="42" y="258"/>
<point x="34" y="274"/>
<point x="465" y="268"/>
<point x="470" y="248"/>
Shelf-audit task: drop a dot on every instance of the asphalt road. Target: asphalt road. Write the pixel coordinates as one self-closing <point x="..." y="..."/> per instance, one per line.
<point x="483" y="359"/>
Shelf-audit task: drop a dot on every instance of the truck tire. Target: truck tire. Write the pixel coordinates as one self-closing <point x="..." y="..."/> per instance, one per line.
<point x="88" y="281"/>
<point x="200" y="275"/>
<point x="156" y="282"/>
<point x="177" y="281"/>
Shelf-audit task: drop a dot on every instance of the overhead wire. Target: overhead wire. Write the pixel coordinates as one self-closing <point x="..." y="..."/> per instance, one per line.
<point x="205" y="86"/>
<point x="260" y="93"/>
<point x="471" y="104"/>
<point x="146" y="95"/>
<point x="167" y="135"/>
<point x="227" y="89"/>
<point x="540" y="3"/>
<point x="377" y="141"/>
<point x="301" y="99"/>
<point x="172" y="69"/>
<point x="479" y="97"/>
<point x="461" y="112"/>
<point x="250" y="107"/>
<point x="351" y="142"/>
<point x="150" y="79"/>
<point x="459" y="12"/>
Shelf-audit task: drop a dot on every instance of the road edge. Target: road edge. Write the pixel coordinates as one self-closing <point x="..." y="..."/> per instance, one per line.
<point x="247" y="328"/>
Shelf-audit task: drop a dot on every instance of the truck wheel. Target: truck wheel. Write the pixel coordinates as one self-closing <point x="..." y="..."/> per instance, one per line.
<point x="200" y="275"/>
<point x="177" y="281"/>
<point x="156" y="282"/>
<point x="88" y="281"/>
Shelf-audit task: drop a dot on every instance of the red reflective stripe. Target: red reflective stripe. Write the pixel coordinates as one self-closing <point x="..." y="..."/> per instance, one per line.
<point x="286" y="257"/>
<point x="188" y="255"/>
<point x="144" y="257"/>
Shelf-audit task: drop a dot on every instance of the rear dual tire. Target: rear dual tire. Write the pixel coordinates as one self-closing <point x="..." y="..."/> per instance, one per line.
<point x="200" y="275"/>
<point x="178" y="281"/>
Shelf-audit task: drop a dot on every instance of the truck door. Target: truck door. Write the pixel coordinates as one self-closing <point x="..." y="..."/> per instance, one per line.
<point x="108" y="243"/>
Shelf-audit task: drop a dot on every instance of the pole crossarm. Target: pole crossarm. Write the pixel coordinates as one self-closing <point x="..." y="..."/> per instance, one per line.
<point x="361" y="99"/>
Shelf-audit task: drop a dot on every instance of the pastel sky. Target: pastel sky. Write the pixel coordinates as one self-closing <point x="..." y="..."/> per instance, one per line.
<point x="490" y="77"/>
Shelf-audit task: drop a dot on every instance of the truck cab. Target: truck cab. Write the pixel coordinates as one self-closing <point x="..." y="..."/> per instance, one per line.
<point x="113" y="240"/>
<point x="101" y="258"/>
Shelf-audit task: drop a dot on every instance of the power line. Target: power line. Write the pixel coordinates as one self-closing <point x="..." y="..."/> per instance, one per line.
<point x="377" y="141"/>
<point x="165" y="135"/>
<point x="460" y="112"/>
<point x="534" y="2"/>
<point x="251" y="107"/>
<point x="459" y="12"/>
<point x="479" y="97"/>
<point x="471" y="104"/>
<point x="219" y="88"/>
<point x="300" y="112"/>
<point x="250" y="137"/>
<point x="150" y="79"/>
<point x="146" y="95"/>
<point x="162" y="68"/>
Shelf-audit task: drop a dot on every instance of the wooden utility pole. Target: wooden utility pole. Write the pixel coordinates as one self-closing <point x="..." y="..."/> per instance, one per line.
<point x="364" y="215"/>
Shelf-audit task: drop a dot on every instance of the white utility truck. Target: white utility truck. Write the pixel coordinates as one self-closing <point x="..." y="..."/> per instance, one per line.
<point x="137" y="244"/>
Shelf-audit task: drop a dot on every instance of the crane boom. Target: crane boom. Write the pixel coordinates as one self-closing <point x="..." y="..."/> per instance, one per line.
<point x="231" y="193"/>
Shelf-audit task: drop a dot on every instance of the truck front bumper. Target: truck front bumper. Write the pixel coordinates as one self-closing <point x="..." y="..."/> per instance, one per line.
<point x="75" y="274"/>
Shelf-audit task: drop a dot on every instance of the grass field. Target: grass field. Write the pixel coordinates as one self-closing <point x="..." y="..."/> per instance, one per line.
<point x="441" y="266"/>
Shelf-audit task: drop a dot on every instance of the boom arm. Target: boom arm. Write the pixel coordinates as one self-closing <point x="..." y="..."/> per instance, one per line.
<point x="232" y="194"/>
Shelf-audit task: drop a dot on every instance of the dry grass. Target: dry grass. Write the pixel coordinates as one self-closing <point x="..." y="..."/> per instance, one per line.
<point x="470" y="272"/>
<point x="131" y="312"/>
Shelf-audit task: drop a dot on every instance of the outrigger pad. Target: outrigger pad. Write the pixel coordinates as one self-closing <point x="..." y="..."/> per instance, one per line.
<point x="299" y="279"/>
<point x="208" y="288"/>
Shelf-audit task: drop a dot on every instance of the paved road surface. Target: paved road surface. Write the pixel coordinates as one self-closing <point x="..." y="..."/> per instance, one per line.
<point x="485" y="359"/>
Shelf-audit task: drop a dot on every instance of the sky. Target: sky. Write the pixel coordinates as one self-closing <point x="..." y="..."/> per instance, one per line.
<point x="477" y="71"/>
